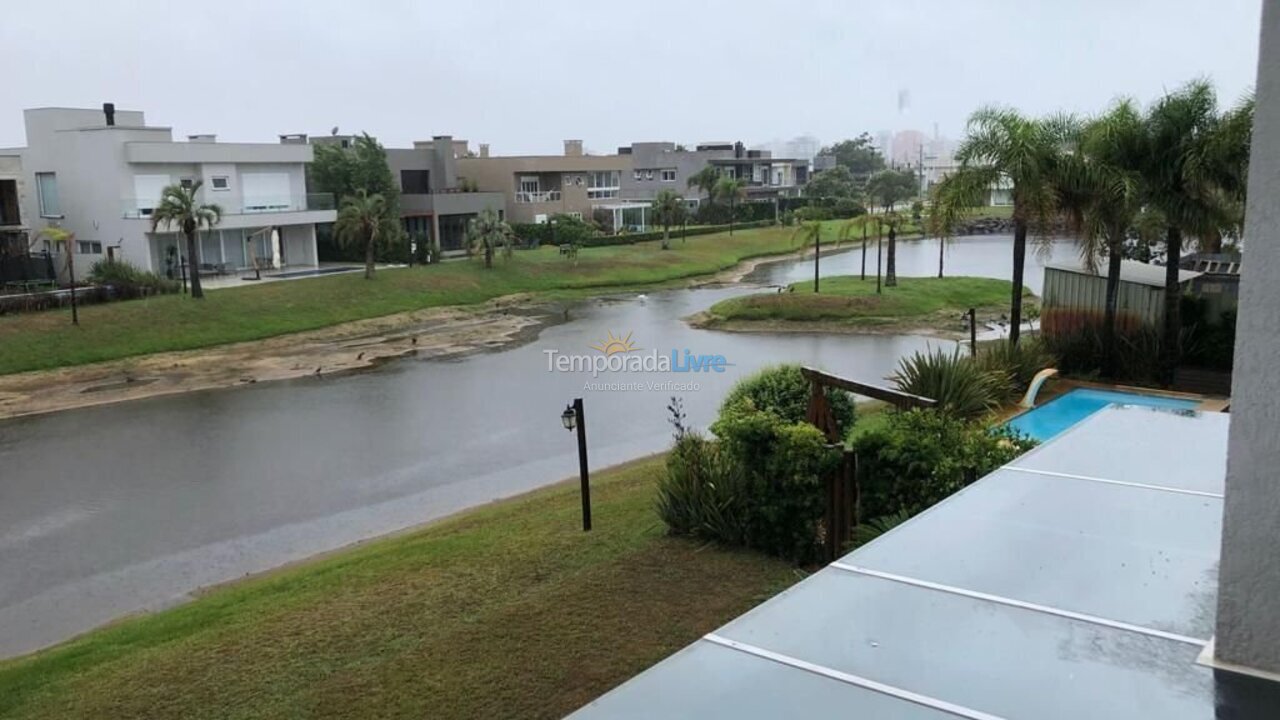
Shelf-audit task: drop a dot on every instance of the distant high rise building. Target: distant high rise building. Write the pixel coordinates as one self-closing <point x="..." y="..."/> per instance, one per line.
<point x="907" y="146"/>
<point x="884" y="144"/>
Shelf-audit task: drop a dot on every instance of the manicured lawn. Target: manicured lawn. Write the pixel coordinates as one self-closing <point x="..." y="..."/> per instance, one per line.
<point x="849" y="301"/>
<point x="47" y="339"/>
<point x="509" y="611"/>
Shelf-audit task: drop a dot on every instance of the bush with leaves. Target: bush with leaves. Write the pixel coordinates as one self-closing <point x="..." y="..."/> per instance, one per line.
<point x="783" y="390"/>
<point x="698" y="495"/>
<point x="919" y="457"/>
<point x="961" y="386"/>
<point x="778" y="467"/>
<point x="1018" y="364"/>
<point x="128" y="280"/>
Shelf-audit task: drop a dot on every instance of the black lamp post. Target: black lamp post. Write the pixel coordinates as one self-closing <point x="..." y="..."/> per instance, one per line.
<point x="573" y="418"/>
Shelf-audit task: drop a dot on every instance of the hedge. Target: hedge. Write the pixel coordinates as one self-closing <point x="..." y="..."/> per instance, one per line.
<point x="631" y="238"/>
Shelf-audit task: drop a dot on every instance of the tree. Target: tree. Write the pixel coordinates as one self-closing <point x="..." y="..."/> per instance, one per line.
<point x="1003" y="144"/>
<point x="360" y="223"/>
<point x="732" y="190"/>
<point x="668" y="209"/>
<point x="812" y="232"/>
<point x="362" y="166"/>
<point x="936" y="224"/>
<point x="705" y="181"/>
<point x="859" y="155"/>
<point x="849" y="231"/>
<point x="1193" y="172"/>
<point x="892" y="220"/>
<point x="834" y="183"/>
<point x="1100" y="186"/>
<point x="887" y="188"/>
<point x="65" y="241"/>
<point x="179" y="207"/>
<point x="487" y="232"/>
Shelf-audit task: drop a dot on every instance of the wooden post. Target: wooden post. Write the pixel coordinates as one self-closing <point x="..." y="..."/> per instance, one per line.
<point x="973" y="332"/>
<point x="582" y="464"/>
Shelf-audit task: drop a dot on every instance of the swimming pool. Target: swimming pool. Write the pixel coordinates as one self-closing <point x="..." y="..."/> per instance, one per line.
<point x="1062" y="412"/>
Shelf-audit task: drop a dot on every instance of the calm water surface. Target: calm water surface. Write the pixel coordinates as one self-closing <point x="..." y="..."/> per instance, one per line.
<point x="115" y="509"/>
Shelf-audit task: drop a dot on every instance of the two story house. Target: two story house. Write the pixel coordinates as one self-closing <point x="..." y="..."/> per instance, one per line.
<point x="100" y="174"/>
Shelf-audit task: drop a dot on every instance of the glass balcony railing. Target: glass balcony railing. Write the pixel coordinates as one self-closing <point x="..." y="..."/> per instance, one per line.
<point x="144" y="208"/>
<point x="537" y="197"/>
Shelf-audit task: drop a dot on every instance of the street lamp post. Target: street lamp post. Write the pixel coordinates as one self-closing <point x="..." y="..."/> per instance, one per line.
<point x="574" y="418"/>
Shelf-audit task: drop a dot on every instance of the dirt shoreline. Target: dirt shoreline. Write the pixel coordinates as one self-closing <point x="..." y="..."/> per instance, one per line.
<point x="436" y="333"/>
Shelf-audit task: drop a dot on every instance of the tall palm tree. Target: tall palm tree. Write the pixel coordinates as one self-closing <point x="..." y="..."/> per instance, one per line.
<point x="893" y="221"/>
<point x="1103" y="190"/>
<point x="64" y="241"/>
<point x="705" y="180"/>
<point x="668" y="209"/>
<point x="733" y="190"/>
<point x="849" y="231"/>
<point x="887" y="188"/>
<point x="180" y="207"/>
<point x="811" y="232"/>
<point x="1004" y="145"/>
<point x="359" y="223"/>
<point x="487" y="232"/>
<point x="1195" y="165"/>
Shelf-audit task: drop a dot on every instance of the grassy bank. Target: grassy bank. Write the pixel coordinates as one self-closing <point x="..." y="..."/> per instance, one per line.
<point x="47" y="339"/>
<point x="510" y="611"/>
<point x="848" y="303"/>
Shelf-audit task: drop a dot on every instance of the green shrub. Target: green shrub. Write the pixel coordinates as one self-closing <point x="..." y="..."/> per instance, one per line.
<point x="1016" y="363"/>
<point x="1082" y="351"/>
<point x="777" y="468"/>
<point x="560" y="230"/>
<point x="696" y="495"/>
<point x="130" y="281"/>
<point x="781" y="389"/>
<point x="919" y="457"/>
<point x="960" y="386"/>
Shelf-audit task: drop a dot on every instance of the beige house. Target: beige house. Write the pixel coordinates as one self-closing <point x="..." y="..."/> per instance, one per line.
<point x="539" y="186"/>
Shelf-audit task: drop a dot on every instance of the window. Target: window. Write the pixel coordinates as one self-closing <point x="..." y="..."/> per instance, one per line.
<point x="220" y="182"/>
<point x="265" y="192"/>
<point x="415" y="182"/>
<point x="187" y="182"/>
<point x="89" y="247"/>
<point x="668" y="175"/>
<point x="603" y="184"/>
<point x="637" y="175"/>
<point x="575" y="215"/>
<point x="47" y="189"/>
<point x="147" y="190"/>
<point x="648" y="175"/>
<point x="530" y="184"/>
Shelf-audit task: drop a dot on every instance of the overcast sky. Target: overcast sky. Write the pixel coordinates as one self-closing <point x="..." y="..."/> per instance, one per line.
<point x="524" y="75"/>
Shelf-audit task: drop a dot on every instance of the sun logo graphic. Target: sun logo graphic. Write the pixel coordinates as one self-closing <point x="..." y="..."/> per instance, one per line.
<point x="614" y="345"/>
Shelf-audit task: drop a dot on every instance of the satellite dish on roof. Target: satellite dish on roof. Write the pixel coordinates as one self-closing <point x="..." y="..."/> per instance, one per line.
<point x="334" y="131"/>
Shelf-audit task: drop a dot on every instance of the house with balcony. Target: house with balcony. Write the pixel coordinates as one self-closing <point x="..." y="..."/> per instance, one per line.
<point x="539" y="186"/>
<point x="657" y="166"/>
<point x="435" y="203"/>
<point x="100" y="174"/>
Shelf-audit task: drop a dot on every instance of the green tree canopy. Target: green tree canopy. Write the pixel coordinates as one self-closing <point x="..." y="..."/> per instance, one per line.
<point x="668" y="209"/>
<point x="859" y="155"/>
<point x="889" y="187"/>
<point x="360" y="222"/>
<point x="836" y="182"/>
<point x="363" y="166"/>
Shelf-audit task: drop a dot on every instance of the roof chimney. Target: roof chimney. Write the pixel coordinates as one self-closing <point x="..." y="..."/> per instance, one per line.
<point x="573" y="148"/>
<point x="484" y="150"/>
<point x="109" y="109"/>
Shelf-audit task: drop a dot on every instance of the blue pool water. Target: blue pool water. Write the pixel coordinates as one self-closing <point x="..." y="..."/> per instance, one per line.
<point x="1062" y="412"/>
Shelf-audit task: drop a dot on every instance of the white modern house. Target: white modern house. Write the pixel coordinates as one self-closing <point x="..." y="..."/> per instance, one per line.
<point x="100" y="173"/>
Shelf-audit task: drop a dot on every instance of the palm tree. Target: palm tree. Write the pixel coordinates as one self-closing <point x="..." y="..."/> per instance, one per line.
<point x="811" y="232"/>
<point x="487" y="232"/>
<point x="732" y="190"/>
<point x="668" y="209"/>
<point x="847" y="232"/>
<point x="179" y="206"/>
<point x="937" y="224"/>
<point x="1194" y="167"/>
<point x="1101" y="187"/>
<point x="705" y="180"/>
<point x="64" y="241"/>
<point x="359" y="223"/>
<point x="887" y="188"/>
<point x="1004" y="145"/>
